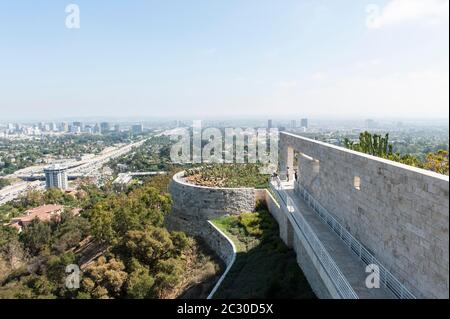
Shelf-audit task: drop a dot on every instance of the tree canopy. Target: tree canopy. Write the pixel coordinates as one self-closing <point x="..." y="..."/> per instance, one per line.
<point x="380" y="146"/>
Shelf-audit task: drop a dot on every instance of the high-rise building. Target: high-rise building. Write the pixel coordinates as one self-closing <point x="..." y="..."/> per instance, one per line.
<point x="53" y="127"/>
<point x="74" y="129"/>
<point x="304" y="123"/>
<point x="88" y="129"/>
<point x="104" y="127"/>
<point x="96" y="129"/>
<point x="269" y="124"/>
<point x="64" y="127"/>
<point x="117" y="128"/>
<point x="56" y="177"/>
<point x="293" y="124"/>
<point x="137" y="129"/>
<point x="80" y="125"/>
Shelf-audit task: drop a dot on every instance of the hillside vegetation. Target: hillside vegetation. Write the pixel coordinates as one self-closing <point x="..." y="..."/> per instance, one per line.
<point x="265" y="267"/>
<point x="380" y="146"/>
<point x="228" y="175"/>
<point x="119" y="242"/>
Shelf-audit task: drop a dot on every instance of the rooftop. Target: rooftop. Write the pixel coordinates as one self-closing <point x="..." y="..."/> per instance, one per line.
<point x="44" y="212"/>
<point x="55" y="167"/>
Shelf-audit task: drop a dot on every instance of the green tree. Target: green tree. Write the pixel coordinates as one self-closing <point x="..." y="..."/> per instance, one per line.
<point x="36" y="236"/>
<point x="149" y="245"/>
<point x="104" y="278"/>
<point x="379" y="146"/>
<point x="437" y="162"/>
<point x="140" y="282"/>
<point x="69" y="232"/>
<point x="371" y="144"/>
<point x="101" y="221"/>
<point x="32" y="198"/>
<point x="56" y="271"/>
<point x="53" y="196"/>
<point x="169" y="274"/>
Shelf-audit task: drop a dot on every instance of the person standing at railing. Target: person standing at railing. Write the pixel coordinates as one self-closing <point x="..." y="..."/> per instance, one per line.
<point x="274" y="176"/>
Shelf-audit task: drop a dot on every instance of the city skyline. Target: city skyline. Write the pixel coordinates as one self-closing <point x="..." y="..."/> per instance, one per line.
<point x="229" y="59"/>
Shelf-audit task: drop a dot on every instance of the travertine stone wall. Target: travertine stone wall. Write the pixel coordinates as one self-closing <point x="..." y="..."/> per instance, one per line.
<point x="218" y="242"/>
<point x="399" y="213"/>
<point x="193" y="205"/>
<point x="285" y="227"/>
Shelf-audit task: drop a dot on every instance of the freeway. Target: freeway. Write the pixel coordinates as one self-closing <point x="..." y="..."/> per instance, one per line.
<point x="125" y="178"/>
<point x="90" y="166"/>
<point x="11" y="192"/>
<point x="85" y="168"/>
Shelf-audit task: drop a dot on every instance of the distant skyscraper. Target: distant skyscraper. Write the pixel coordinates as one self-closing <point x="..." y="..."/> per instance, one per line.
<point x="137" y="129"/>
<point x="96" y="129"/>
<point x="74" y="129"/>
<point x="304" y="123"/>
<point x="269" y="124"/>
<point x="53" y="127"/>
<point x="56" y="177"/>
<point x="293" y="124"/>
<point x="117" y="128"/>
<point x="64" y="127"/>
<point x="104" y="127"/>
<point x="80" y="125"/>
<point x="88" y="129"/>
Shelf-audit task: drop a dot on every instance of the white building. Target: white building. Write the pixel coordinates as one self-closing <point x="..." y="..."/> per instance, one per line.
<point x="56" y="177"/>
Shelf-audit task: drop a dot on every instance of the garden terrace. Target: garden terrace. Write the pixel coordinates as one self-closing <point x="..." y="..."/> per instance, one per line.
<point x="228" y="176"/>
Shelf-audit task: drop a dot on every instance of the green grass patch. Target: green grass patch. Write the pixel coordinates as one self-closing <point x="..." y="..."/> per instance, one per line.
<point x="265" y="267"/>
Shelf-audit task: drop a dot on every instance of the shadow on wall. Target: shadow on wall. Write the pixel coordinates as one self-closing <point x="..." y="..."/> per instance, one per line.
<point x="265" y="267"/>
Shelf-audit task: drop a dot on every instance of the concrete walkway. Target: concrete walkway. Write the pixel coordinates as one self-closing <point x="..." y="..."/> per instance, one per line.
<point x="349" y="264"/>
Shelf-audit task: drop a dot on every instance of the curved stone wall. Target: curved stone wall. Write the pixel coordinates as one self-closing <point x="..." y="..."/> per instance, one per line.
<point x="226" y="249"/>
<point x="194" y="205"/>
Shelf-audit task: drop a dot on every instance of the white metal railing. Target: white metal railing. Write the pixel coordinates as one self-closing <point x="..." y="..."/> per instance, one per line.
<point x="386" y="278"/>
<point x="341" y="284"/>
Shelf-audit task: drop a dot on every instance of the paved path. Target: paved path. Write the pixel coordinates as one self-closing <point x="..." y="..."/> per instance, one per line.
<point x="349" y="264"/>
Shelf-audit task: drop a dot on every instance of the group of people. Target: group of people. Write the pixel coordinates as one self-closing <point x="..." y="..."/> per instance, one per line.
<point x="275" y="176"/>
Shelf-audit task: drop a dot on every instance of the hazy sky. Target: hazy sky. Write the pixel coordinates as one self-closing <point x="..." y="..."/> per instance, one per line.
<point x="203" y="58"/>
